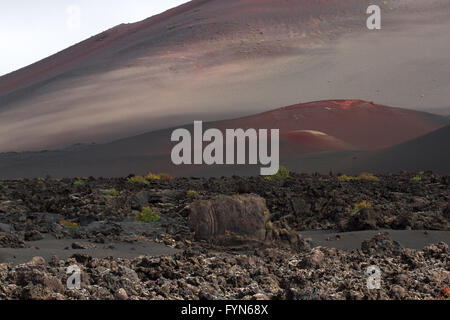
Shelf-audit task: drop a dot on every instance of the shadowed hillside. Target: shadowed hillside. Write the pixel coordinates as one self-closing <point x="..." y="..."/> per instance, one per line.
<point x="306" y="132"/>
<point x="430" y="152"/>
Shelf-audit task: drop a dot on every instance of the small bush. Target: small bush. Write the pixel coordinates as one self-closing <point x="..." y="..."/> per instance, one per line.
<point x="147" y="215"/>
<point x="417" y="178"/>
<point x="152" y="176"/>
<point x="362" y="205"/>
<point x="161" y="176"/>
<point x="165" y="176"/>
<point x="282" y="174"/>
<point x="363" y="176"/>
<point x="79" y="182"/>
<point x="112" y="192"/>
<point x="69" y="224"/>
<point x="138" y="180"/>
<point x="345" y="177"/>
<point x="191" y="193"/>
<point x="368" y="177"/>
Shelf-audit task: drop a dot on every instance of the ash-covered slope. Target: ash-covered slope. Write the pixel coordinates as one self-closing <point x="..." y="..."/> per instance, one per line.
<point x="429" y="152"/>
<point x="218" y="59"/>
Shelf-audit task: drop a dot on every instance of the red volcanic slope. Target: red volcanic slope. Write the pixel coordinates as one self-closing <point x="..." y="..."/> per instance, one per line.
<point x="324" y="126"/>
<point x="61" y="61"/>
<point x="305" y="129"/>
<point x="308" y="141"/>
<point x="357" y="123"/>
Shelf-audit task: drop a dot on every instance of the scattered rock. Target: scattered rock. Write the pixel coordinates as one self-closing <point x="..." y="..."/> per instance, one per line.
<point x="380" y="244"/>
<point x="121" y="294"/>
<point x="280" y="265"/>
<point x="10" y="240"/>
<point x="81" y="258"/>
<point x="313" y="260"/>
<point x="33" y="235"/>
<point x="83" y="245"/>
<point x="140" y="200"/>
<point x="37" y="262"/>
<point x="399" y="292"/>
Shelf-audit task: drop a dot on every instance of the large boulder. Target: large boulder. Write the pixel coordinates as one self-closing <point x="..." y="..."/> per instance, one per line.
<point x="244" y="216"/>
<point x="364" y="219"/>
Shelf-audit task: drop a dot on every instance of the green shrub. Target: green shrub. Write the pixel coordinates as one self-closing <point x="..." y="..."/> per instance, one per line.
<point x="165" y="176"/>
<point x="138" y="180"/>
<point x="362" y="205"/>
<point x="282" y="174"/>
<point x="147" y="215"/>
<point x="79" y="182"/>
<point x="368" y="177"/>
<point x="112" y="192"/>
<point x="417" y="178"/>
<point x="363" y="176"/>
<point x="191" y="193"/>
<point x="69" y="224"/>
<point x="161" y="176"/>
<point x="152" y="176"/>
<point x="345" y="177"/>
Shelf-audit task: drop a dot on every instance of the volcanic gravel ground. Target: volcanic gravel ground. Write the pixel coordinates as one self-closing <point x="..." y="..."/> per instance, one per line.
<point x="281" y="267"/>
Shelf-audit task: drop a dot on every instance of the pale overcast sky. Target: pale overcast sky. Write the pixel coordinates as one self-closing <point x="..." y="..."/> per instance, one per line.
<point x="31" y="30"/>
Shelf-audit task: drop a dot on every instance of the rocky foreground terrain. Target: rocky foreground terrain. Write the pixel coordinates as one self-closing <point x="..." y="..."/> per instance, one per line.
<point x="226" y="238"/>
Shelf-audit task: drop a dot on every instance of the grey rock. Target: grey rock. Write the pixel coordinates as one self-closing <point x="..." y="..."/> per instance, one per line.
<point x="121" y="294"/>
<point x="140" y="200"/>
<point x="6" y="227"/>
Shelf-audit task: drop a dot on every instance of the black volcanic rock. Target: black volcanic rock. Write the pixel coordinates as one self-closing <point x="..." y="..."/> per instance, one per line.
<point x="283" y="266"/>
<point x="364" y="219"/>
<point x="380" y="244"/>
<point x="10" y="240"/>
<point x="140" y="200"/>
<point x="266" y="273"/>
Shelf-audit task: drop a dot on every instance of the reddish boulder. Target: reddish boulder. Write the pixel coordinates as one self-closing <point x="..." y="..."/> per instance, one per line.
<point x="239" y="215"/>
